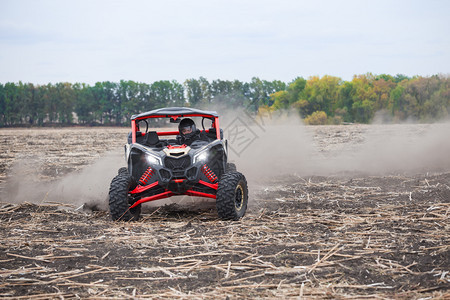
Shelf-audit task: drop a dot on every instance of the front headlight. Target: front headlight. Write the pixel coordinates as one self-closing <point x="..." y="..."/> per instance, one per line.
<point x="153" y="160"/>
<point x="200" y="157"/>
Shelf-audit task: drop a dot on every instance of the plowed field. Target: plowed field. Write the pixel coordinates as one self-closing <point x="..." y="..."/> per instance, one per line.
<point x="346" y="212"/>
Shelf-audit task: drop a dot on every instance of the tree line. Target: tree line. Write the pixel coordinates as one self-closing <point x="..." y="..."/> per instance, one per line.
<point x="112" y="103"/>
<point x="329" y="100"/>
<point x="319" y="100"/>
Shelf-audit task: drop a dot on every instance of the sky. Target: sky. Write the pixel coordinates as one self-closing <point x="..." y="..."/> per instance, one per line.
<point x="147" y="40"/>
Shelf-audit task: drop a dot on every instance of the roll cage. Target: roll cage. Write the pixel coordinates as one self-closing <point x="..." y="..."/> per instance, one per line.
<point x="175" y="113"/>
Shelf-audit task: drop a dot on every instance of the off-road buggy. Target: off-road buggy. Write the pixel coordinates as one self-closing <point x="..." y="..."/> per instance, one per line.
<point x="160" y="167"/>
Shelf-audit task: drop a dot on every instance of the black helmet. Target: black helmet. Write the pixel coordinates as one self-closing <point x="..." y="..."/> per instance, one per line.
<point x="187" y="128"/>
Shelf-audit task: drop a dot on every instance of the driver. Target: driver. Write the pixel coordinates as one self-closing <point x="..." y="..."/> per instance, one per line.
<point x="188" y="132"/>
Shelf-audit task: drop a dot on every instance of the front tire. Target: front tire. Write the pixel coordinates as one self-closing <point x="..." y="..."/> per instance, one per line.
<point x="232" y="196"/>
<point x="231" y="167"/>
<point x="123" y="170"/>
<point x="119" y="205"/>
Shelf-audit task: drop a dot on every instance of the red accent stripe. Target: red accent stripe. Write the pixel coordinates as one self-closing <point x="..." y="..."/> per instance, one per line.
<point x="176" y="147"/>
<point x="199" y="194"/>
<point x="140" y="189"/>
<point x="168" y="133"/>
<point x="168" y="194"/>
<point x="216" y="125"/>
<point x="211" y="185"/>
<point x="153" y="198"/>
<point x="133" y="131"/>
<point x="178" y="180"/>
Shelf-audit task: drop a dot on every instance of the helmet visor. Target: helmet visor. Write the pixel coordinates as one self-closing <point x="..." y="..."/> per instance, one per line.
<point x="186" y="129"/>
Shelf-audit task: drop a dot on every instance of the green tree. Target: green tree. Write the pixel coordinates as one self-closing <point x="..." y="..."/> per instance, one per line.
<point x="65" y="102"/>
<point x="363" y="110"/>
<point x="319" y="94"/>
<point x="2" y="105"/>
<point x="344" y="105"/>
<point x="295" y="89"/>
<point x="25" y="98"/>
<point x="165" y="93"/>
<point x="84" y="104"/>
<point x="194" y="92"/>
<point x="364" y="99"/>
<point x="177" y="94"/>
<point x="12" y="104"/>
<point x="280" y="100"/>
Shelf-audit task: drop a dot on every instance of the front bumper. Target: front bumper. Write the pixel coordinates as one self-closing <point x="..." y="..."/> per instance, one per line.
<point x="158" y="182"/>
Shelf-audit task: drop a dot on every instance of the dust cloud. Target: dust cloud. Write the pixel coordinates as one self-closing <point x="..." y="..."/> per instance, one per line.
<point x="278" y="144"/>
<point x="87" y="187"/>
<point x="400" y="148"/>
<point x="268" y="145"/>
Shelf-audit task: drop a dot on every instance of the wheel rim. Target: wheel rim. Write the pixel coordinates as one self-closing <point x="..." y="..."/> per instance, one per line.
<point x="239" y="197"/>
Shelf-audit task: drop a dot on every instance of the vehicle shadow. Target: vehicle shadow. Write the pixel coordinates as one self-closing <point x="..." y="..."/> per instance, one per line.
<point x="181" y="209"/>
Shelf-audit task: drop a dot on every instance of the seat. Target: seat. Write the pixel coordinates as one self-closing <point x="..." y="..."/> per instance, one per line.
<point x="152" y="139"/>
<point x="212" y="133"/>
<point x="139" y="137"/>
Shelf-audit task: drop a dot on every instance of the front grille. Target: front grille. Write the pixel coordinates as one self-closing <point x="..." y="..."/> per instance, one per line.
<point x="191" y="173"/>
<point x="177" y="154"/>
<point x="177" y="164"/>
<point x="164" y="174"/>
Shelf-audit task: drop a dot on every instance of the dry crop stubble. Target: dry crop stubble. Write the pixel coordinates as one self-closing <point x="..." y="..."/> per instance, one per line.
<point x="322" y="229"/>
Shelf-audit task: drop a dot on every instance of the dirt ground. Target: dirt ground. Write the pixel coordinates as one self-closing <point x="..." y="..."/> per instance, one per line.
<point x="338" y="233"/>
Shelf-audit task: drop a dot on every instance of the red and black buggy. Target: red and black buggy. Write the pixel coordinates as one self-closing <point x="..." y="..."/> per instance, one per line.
<point x="160" y="164"/>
